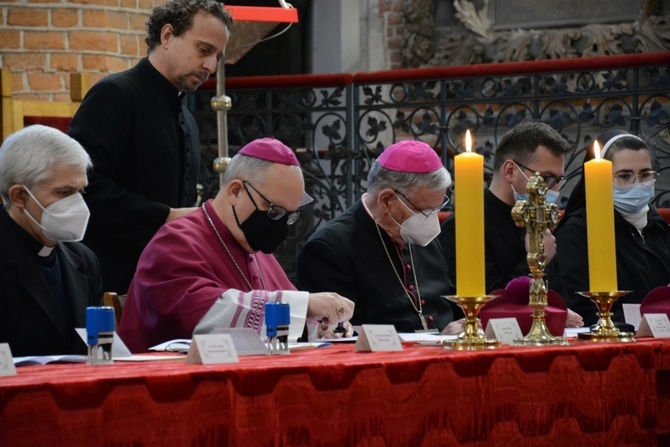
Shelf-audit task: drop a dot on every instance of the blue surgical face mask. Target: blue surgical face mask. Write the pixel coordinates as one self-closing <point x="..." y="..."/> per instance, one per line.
<point x="518" y="196"/>
<point x="633" y="198"/>
<point x="550" y="196"/>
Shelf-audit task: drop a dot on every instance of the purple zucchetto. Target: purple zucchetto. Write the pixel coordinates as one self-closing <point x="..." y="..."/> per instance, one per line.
<point x="410" y="156"/>
<point x="272" y="150"/>
<point x="657" y="301"/>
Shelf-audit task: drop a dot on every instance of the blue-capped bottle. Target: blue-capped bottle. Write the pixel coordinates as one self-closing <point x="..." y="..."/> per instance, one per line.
<point x="99" y="335"/>
<point x="277" y="321"/>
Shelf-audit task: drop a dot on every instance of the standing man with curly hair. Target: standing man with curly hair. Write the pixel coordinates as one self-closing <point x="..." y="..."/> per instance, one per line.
<point x="142" y="140"/>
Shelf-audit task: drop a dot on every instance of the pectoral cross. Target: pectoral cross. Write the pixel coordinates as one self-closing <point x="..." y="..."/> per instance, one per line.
<point x="424" y="324"/>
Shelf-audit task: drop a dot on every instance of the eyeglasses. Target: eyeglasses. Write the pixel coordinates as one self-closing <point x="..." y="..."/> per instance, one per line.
<point x="426" y="213"/>
<point x="624" y="178"/>
<point x="275" y="212"/>
<point x="549" y="180"/>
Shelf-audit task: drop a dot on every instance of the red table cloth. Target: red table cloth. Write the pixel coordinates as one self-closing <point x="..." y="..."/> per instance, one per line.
<point x="587" y="394"/>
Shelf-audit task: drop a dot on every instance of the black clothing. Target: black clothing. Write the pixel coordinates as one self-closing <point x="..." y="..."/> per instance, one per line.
<point x="144" y="145"/>
<point x="642" y="263"/>
<point x="505" y="247"/>
<point x="31" y="319"/>
<point x="346" y="256"/>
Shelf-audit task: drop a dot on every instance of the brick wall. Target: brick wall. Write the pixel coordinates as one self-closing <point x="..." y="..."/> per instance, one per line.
<point x="392" y="14"/>
<point x="42" y="41"/>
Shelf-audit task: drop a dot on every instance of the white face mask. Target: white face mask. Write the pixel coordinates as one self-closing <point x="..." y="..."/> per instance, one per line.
<point x="418" y="229"/>
<point x="64" y="220"/>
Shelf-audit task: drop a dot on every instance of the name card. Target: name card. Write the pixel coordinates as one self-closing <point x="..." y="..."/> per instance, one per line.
<point x="631" y="313"/>
<point x="378" y="337"/>
<point x="504" y="329"/>
<point x="245" y="339"/>
<point x="654" y="325"/>
<point x="119" y="348"/>
<point x="211" y="349"/>
<point x="7" y="367"/>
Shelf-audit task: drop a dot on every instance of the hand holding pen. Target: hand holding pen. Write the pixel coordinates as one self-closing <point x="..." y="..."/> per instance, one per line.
<point x="342" y="330"/>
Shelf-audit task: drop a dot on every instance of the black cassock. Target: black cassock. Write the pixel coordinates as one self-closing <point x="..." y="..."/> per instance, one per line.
<point x="347" y="256"/>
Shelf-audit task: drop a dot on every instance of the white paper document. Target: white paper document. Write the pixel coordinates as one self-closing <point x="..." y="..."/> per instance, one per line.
<point x="45" y="359"/>
<point x="631" y="313"/>
<point x="150" y="358"/>
<point x="425" y="338"/>
<point x="176" y="345"/>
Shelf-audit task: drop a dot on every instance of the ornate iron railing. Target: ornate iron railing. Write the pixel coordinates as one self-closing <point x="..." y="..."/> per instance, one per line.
<point x="338" y="124"/>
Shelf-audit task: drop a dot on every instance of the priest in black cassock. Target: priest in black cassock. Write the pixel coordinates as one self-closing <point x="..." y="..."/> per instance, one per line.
<point x="47" y="277"/>
<point x="382" y="253"/>
<point x="142" y="138"/>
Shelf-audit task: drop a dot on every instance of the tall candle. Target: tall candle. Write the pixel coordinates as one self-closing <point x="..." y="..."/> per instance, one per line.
<point x="469" y="198"/>
<point x="600" y="223"/>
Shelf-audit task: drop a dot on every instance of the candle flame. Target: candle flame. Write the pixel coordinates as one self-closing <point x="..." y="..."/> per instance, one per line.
<point x="468" y="141"/>
<point x="596" y="150"/>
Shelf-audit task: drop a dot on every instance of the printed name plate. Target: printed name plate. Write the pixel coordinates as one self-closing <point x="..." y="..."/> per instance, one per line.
<point x="211" y="349"/>
<point x="654" y="325"/>
<point x="504" y="329"/>
<point x="378" y="337"/>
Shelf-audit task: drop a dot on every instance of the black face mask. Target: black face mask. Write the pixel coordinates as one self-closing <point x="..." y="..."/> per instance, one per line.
<point x="263" y="233"/>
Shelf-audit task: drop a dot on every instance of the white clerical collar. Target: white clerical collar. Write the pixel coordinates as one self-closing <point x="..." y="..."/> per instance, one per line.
<point x="45" y="251"/>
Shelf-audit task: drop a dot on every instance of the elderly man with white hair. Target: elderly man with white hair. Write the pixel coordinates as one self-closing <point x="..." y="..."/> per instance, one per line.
<point x="382" y="253"/>
<point x="47" y="278"/>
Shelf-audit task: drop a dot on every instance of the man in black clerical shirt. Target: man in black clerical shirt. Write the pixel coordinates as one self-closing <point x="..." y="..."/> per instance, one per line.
<point x="47" y="278"/>
<point x="528" y="148"/>
<point x="142" y="139"/>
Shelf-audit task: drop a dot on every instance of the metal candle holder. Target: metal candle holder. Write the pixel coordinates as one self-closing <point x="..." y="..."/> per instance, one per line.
<point x="538" y="216"/>
<point x="605" y="329"/>
<point x="472" y="338"/>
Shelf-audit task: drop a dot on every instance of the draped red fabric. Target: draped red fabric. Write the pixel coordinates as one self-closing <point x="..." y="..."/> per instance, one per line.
<point x="589" y="394"/>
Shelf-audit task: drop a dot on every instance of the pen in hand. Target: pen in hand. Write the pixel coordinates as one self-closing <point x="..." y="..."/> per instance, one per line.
<point x="340" y="331"/>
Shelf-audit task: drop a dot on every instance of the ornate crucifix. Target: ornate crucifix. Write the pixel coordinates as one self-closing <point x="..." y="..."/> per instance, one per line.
<point x="537" y="216"/>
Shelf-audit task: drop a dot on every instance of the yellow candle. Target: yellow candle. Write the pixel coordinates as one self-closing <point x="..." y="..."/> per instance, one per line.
<point x="600" y="224"/>
<point x="469" y="198"/>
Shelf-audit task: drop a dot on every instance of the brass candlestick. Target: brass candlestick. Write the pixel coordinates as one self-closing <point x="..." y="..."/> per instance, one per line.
<point x="605" y="329"/>
<point x="472" y="338"/>
<point x="538" y="216"/>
